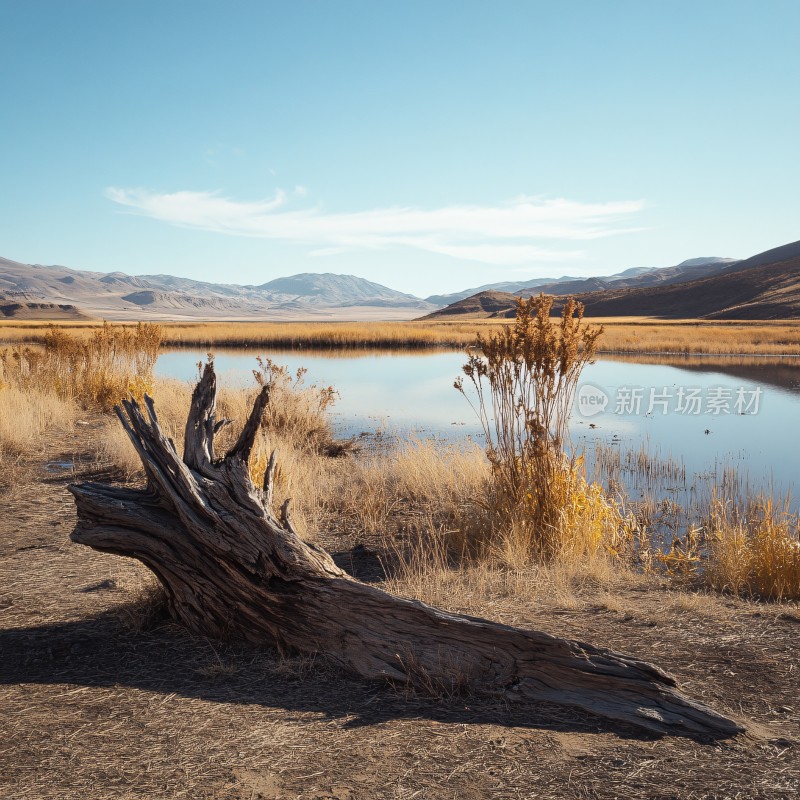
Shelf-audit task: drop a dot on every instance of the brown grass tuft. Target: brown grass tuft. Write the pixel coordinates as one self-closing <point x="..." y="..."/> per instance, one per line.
<point x="540" y="504"/>
<point x="754" y="551"/>
<point x="147" y="607"/>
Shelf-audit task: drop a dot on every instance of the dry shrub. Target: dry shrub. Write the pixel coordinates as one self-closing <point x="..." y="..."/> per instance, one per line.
<point x="538" y="501"/>
<point x="96" y="371"/>
<point x="296" y="409"/>
<point x="753" y="552"/>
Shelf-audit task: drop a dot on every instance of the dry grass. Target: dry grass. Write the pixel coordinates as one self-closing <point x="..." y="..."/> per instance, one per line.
<point x="96" y="370"/>
<point x="623" y="335"/>
<point x="94" y="709"/>
<point x="426" y="571"/>
<point x="720" y="535"/>
<point x="428" y="505"/>
<point x="27" y="419"/>
<point x="25" y="416"/>
<point x="701" y="337"/>
<point x="43" y="387"/>
<point x="282" y="335"/>
<point x="419" y="483"/>
<point x="754" y="551"/>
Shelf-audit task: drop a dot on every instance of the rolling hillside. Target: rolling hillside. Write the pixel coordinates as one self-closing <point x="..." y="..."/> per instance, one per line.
<point x="30" y="289"/>
<point x="38" y="311"/>
<point x="635" y="276"/>
<point x="765" y="286"/>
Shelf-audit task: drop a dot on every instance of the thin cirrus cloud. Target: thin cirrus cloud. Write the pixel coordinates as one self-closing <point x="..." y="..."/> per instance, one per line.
<point x="522" y="231"/>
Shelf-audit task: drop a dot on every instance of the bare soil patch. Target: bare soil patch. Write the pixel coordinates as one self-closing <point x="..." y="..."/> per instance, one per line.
<point x="95" y="707"/>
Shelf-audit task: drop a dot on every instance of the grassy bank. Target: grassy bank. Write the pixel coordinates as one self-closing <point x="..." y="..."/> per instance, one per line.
<point x="426" y="507"/>
<point x="103" y="696"/>
<point x="622" y="335"/>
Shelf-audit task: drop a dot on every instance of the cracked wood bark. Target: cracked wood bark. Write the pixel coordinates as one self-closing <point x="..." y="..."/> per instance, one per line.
<point x="232" y="567"/>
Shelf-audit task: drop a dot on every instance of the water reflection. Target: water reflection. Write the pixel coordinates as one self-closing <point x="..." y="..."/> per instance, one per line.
<point x="411" y="393"/>
<point x="782" y="372"/>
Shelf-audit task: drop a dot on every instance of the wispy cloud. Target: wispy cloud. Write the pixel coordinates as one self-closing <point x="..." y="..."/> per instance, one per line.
<point x="523" y="231"/>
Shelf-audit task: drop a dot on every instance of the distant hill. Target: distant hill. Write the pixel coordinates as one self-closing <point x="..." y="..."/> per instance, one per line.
<point x="38" y="311"/>
<point x="340" y="289"/>
<point x="481" y="305"/>
<point x="685" y="271"/>
<point x="635" y="276"/>
<point x="503" y="286"/>
<point x="765" y="286"/>
<point x="117" y="296"/>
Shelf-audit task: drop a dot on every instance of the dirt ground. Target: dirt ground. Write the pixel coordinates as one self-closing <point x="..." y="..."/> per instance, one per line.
<point x="91" y="706"/>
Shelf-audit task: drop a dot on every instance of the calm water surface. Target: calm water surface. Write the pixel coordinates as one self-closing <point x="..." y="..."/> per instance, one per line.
<point x="707" y="412"/>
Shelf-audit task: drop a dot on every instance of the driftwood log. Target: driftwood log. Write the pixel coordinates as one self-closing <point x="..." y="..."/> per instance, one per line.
<point x="231" y="566"/>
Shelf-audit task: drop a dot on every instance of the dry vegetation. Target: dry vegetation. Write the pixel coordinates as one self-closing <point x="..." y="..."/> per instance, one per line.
<point x="539" y="502"/>
<point x="522" y="502"/>
<point x="622" y="335"/>
<point x="101" y="697"/>
<point x="753" y="550"/>
<point x="96" y="370"/>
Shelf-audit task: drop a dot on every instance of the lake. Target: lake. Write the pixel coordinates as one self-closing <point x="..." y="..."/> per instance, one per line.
<point x="707" y="413"/>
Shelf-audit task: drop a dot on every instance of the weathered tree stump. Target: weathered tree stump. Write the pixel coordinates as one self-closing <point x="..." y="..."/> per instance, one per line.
<point x="231" y="567"/>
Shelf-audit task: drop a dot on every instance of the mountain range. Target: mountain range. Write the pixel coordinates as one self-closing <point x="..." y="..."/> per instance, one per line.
<point x="33" y="291"/>
<point x="765" y="286"/>
<point x="568" y="285"/>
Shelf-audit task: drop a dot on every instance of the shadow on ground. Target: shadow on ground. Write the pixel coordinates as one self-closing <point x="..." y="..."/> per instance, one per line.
<point x="102" y="652"/>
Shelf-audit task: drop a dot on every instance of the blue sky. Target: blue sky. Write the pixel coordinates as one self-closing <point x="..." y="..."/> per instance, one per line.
<point x="430" y="146"/>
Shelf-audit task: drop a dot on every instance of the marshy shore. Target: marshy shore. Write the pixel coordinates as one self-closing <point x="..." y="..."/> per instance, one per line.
<point x="622" y="335"/>
<point x="105" y="696"/>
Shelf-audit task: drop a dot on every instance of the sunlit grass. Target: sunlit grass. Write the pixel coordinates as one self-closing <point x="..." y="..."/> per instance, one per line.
<point x="623" y="335"/>
<point x="26" y="415"/>
<point x="423" y="503"/>
<point x="96" y="370"/>
<point x="753" y="551"/>
<point x="43" y="387"/>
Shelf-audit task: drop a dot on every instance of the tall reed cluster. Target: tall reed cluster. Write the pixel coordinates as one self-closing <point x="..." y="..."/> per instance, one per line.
<point x="524" y="378"/>
<point x="753" y="551"/>
<point x="95" y="371"/>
